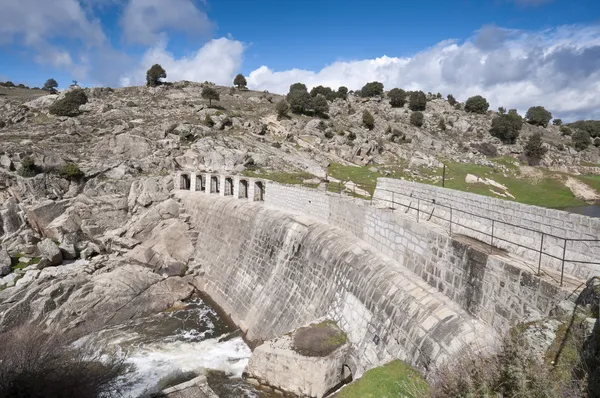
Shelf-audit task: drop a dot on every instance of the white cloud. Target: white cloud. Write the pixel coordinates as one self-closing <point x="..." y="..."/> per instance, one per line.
<point x="559" y="69"/>
<point x="217" y="61"/>
<point x="145" y="21"/>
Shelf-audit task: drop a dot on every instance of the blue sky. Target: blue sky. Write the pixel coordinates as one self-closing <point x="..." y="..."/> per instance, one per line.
<point x="514" y="51"/>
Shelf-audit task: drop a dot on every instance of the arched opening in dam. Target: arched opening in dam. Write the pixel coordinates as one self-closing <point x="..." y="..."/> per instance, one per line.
<point x="228" y="186"/>
<point x="243" y="189"/>
<point x="214" y="184"/>
<point x="259" y="191"/>
<point x="185" y="181"/>
<point x="200" y="183"/>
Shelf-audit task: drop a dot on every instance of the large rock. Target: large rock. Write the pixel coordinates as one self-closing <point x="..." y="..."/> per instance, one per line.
<point x="42" y="214"/>
<point x="11" y="221"/>
<point x="5" y="262"/>
<point x="50" y="251"/>
<point x="195" y="388"/>
<point x="150" y="190"/>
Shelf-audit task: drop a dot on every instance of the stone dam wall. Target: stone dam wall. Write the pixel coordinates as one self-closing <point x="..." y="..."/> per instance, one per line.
<point x="517" y="227"/>
<point x="274" y="271"/>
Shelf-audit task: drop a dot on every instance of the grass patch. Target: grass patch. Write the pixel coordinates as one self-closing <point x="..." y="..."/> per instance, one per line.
<point x="395" y="379"/>
<point x="318" y="340"/>
<point x="362" y="176"/>
<point x="592" y="181"/>
<point x="280" y="177"/>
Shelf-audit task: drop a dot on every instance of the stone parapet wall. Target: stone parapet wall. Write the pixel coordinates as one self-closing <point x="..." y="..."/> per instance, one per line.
<point x="517" y="227"/>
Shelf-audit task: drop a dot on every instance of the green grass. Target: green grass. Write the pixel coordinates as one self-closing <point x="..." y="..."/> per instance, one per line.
<point x="395" y="379"/>
<point x="592" y="181"/>
<point x="280" y="177"/>
<point x="361" y="175"/>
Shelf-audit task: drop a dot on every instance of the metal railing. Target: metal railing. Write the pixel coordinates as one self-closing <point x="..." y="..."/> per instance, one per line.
<point x="453" y="217"/>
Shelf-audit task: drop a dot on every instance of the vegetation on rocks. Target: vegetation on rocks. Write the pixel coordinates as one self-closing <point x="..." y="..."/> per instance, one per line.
<point x="51" y="85"/>
<point x="507" y="127"/>
<point x="240" y="81"/>
<point x="416" y="119"/>
<point x="298" y="98"/>
<point x="372" y="89"/>
<point x="71" y="172"/>
<point x="477" y="104"/>
<point x="418" y="101"/>
<point x="368" y="120"/>
<point x="28" y="167"/>
<point x="538" y="116"/>
<point x="581" y="140"/>
<point x="534" y="150"/>
<point x="451" y="100"/>
<point x="154" y="74"/>
<point x="282" y="108"/>
<point x="320" y="105"/>
<point x="210" y="93"/>
<point x="69" y="105"/>
<point x="397" y="97"/>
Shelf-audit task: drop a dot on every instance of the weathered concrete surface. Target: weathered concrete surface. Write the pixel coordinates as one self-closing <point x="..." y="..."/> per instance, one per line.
<point x="195" y="388"/>
<point x="273" y="272"/>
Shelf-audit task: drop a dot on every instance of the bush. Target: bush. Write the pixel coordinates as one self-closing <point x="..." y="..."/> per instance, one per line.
<point x="487" y="149"/>
<point x="327" y="92"/>
<point x="342" y="92"/>
<point x="591" y="126"/>
<point x="226" y="122"/>
<point x="154" y="74"/>
<point x="534" y="150"/>
<point x="276" y="145"/>
<point x="282" y="109"/>
<point x="35" y="364"/>
<point x="418" y="101"/>
<point x="501" y="110"/>
<point x="397" y="97"/>
<point x="240" y="81"/>
<point x="565" y="130"/>
<point x="28" y="167"/>
<point x="69" y="105"/>
<point x="71" y="172"/>
<point x="451" y="100"/>
<point x="208" y="121"/>
<point x="557" y="122"/>
<point x="372" y="89"/>
<point x="538" y="116"/>
<point x="416" y="119"/>
<point x="298" y="98"/>
<point x="328" y="134"/>
<point x="507" y="127"/>
<point x="581" y="140"/>
<point x="477" y="104"/>
<point x="351" y="136"/>
<point x="50" y="85"/>
<point x="210" y="93"/>
<point x="320" y="105"/>
<point x="368" y="120"/>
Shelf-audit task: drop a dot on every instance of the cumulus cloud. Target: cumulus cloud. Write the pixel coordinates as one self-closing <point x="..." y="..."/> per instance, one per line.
<point x="217" y="61"/>
<point x="144" y="21"/>
<point x="558" y="68"/>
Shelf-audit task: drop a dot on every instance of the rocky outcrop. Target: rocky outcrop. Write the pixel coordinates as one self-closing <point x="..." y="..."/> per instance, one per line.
<point x="5" y="262"/>
<point x="50" y="252"/>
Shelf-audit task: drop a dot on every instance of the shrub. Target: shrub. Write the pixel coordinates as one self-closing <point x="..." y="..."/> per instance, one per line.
<point x="327" y="92"/>
<point x="507" y="127"/>
<point x="320" y="105"/>
<point x="487" y="149"/>
<point x="457" y="106"/>
<point x="581" y="140"/>
<point x="210" y="93"/>
<point x="276" y="145"/>
<point x="208" y="121"/>
<point x="477" y="104"/>
<point x="397" y="97"/>
<point x="71" y="172"/>
<point x="451" y="100"/>
<point x="298" y="98"/>
<point x="282" y="108"/>
<point x="534" y="150"/>
<point x="372" y="89"/>
<point x="442" y="125"/>
<point x="342" y="92"/>
<point x="501" y="110"/>
<point x="368" y="120"/>
<point x="35" y="364"/>
<point x="565" y="130"/>
<point x="538" y="116"/>
<point x="264" y="129"/>
<point x="328" y="134"/>
<point x="351" y="136"/>
<point x="154" y="74"/>
<point x="418" y="101"/>
<point x="591" y="126"/>
<point x="28" y="167"/>
<point x="416" y="119"/>
<point x="226" y="122"/>
<point x="240" y="81"/>
<point x="50" y="85"/>
<point x="69" y="105"/>
<point x="557" y="122"/>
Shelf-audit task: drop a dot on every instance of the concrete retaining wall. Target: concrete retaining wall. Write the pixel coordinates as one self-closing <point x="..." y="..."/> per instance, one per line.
<point x="526" y="220"/>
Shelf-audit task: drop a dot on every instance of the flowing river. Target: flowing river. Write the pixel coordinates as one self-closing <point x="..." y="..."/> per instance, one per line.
<point x="174" y="346"/>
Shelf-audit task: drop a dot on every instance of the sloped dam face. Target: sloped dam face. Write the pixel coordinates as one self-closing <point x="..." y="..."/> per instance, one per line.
<point x="274" y="271"/>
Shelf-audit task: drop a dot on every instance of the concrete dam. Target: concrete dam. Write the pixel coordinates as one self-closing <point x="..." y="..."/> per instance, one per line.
<point x="277" y="257"/>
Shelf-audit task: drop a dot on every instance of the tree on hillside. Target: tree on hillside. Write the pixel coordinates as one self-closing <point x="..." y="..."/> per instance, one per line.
<point x="418" y="101"/>
<point x="397" y="97"/>
<point x="507" y="127"/>
<point x="538" y="116"/>
<point x="368" y="120"/>
<point x="557" y="122"/>
<point x="320" y="105"/>
<point x="342" y="92"/>
<point x="416" y="118"/>
<point x="581" y="140"/>
<point x="282" y="109"/>
<point x="240" y="81"/>
<point x="325" y="91"/>
<point x="298" y="98"/>
<point x="50" y="85"/>
<point x="501" y="110"/>
<point x="451" y="100"/>
<point x="477" y="104"/>
<point x="534" y="150"/>
<point x="210" y="94"/>
<point x="69" y="105"/>
<point x="372" y="89"/>
<point x="154" y="74"/>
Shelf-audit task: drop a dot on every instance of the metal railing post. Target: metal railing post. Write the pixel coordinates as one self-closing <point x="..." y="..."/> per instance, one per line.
<point x="492" y="242"/>
<point x="540" y="259"/>
<point x="562" y="270"/>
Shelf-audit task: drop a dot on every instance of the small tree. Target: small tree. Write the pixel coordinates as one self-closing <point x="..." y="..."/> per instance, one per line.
<point x="372" y="89"/>
<point x="507" y="127"/>
<point x="368" y="120"/>
<point x="418" y="101"/>
<point x="210" y="94"/>
<point x="451" y="100"/>
<point x="154" y="74"/>
<point x="397" y="97"/>
<point x="71" y="172"/>
<point x="50" y="85"/>
<point x="342" y="92"/>
<point x="538" y="116"/>
<point x="501" y="110"/>
<point x="282" y="109"/>
<point x="28" y="167"/>
<point x="298" y="98"/>
<point x="69" y="105"/>
<point x="320" y="105"/>
<point x="327" y="92"/>
<point x="240" y="81"/>
<point x="477" y="104"/>
<point x="416" y="118"/>
<point x="557" y="122"/>
<point x="534" y="150"/>
<point x="581" y="140"/>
